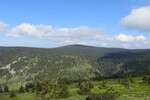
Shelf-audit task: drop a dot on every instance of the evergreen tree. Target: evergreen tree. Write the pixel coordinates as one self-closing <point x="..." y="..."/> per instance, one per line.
<point x="145" y="79"/>
<point x="126" y="82"/>
<point x="149" y="81"/>
<point x="63" y="90"/>
<point x="12" y="94"/>
<point x="104" y="96"/>
<point x="21" y="89"/>
<point x="39" y="86"/>
<point x="85" y="88"/>
<point x="43" y="89"/>
<point x="119" y="81"/>
<point x="6" y="89"/>
<point x="79" y="83"/>
<point x="111" y="89"/>
<point x="103" y="85"/>
<point x="26" y="87"/>
<point x="1" y="90"/>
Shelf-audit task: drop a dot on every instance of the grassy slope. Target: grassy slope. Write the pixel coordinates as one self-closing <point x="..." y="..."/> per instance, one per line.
<point x="137" y="91"/>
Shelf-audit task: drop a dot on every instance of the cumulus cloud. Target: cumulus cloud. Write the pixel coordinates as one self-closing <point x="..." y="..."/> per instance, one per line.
<point x="138" y="19"/>
<point x="129" y="38"/>
<point x="65" y="35"/>
<point x="2" y="26"/>
<point x="79" y="35"/>
<point x="128" y="41"/>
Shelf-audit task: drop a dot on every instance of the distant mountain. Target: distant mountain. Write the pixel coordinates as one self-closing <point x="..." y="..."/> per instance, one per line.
<point x="25" y="64"/>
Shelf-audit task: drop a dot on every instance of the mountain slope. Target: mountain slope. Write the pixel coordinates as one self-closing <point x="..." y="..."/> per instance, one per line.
<point x="25" y="64"/>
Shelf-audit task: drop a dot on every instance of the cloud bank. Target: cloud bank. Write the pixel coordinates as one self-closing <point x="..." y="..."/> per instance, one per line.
<point x="79" y="35"/>
<point x="51" y="33"/>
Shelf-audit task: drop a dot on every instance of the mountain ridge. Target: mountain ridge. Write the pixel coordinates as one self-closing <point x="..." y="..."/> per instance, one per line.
<point x="34" y="63"/>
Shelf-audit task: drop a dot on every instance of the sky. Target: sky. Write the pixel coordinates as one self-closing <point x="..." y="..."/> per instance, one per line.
<point x="55" y="23"/>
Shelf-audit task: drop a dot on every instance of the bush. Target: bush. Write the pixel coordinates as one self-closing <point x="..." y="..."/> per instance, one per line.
<point x="63" y="90"/>
<point x="131" y="80"/>
<point x="21" y="89"/>
<point x="103" y="85"/>
<point x="1" y="90"/>
<point x="85" y="88"/>
<point x="12" y="94"/>
<point x="119" y="81"/>
<point x="26" y="88"/>
<point x="47" y="90"/>
<point x="146" y="80"/>
<point x="149" y="81"/>
<point x="111" y="89"/>
<point x="6" y="89"/>
<point x="103" y="96"/>
<point x="126" y="82"/>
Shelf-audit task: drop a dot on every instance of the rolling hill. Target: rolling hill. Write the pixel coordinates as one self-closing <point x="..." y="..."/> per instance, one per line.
<point x="25" y="64"/>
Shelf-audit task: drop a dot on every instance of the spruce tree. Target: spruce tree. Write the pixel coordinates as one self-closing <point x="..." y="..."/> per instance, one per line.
<point x="12" y="94"/>
<point x="1" y="90"/>
<point x="103" y="85"/>
<point x="119" y="81"/>
<point x="126" y="82"/>
<point x="21" y="89"/>
<point x="27" y="88"/>
<point x="145" y="79"/>
<point x="85" y="88"/>
<point x="63" y="90"/>
<point x="6" y="89"/>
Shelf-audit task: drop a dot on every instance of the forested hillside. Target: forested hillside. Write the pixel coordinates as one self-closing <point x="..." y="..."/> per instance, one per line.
<point x="26" y="64"/>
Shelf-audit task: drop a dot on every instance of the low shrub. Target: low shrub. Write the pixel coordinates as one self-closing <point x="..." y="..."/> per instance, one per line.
<point x="103" y="96"/>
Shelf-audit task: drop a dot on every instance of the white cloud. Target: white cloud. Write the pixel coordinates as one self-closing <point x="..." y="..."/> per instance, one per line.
<point x="80" y="35"/>
<point x="28" y="30"/>
<point x="129" y="38"/>
<point x="2" y="26"/>
<point x="128" y="41"/>
<point x="60" y="34"/>
<point x="138" y="19"/>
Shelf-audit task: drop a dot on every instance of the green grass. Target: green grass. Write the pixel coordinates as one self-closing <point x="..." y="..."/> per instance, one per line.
<point x="20" y="96"/>
<point x="137" y="91"/>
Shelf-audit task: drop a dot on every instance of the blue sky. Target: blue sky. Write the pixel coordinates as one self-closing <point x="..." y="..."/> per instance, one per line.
<point x="54" y="23"/>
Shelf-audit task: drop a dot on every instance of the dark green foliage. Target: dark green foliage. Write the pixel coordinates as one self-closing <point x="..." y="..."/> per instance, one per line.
<point x="29" y="87"/>
<point x="111" y="89"/>
<point x="63" y="90"/>
<point x="85" y="87"/>
<point x="103" y="85"/>
<point x="119" y="81"/>
<point x="149" y="81"/>
<point x="56" y="62"/>
<point x="39" y="86"/>
<point x="79" y="83"/>
<point x="6" y="89"/>
<point x="103" y="96"/>
<point x="126" y="82"/>
<point x="131" y="80"/>
<point x="1" y="90"/>
<point x="41" y="90"/>
<point x="146" y="79"/>
<point x="98" y="77"/>
<point x="48" y="89"/>
<point x="21" y="89"/>
<point x="12" y="94"/>
<point x="26" y="88"/>
<point x="64" y="81"/>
